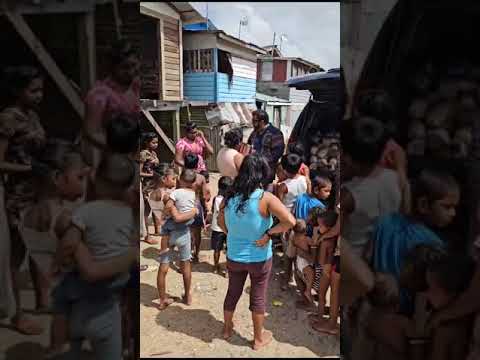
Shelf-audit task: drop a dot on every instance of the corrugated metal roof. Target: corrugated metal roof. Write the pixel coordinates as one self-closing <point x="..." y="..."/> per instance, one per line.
<point x="268" y="98"/>
<point x="222" y="34"/>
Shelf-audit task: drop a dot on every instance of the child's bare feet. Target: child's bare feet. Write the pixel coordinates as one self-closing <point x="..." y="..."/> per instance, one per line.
<point x="227" y="330"/>
<point x="162" y="304"/>
<point x="27" y="326"/>
<point x="266" y="339"/>
<point x="149" y="240"/>
<point x="187" y="299"/>
<point x="308" y="296"/>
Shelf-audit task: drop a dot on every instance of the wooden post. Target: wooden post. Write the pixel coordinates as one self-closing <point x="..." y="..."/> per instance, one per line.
<point x="46" y="60"/>
<point x="180" y="50"/>
<point x="161" y="56"/>
<point x="86" y="51"/>
<point x="176" y="124"/>
<point x="118" y="19"/>
<point x="159" y="130"/>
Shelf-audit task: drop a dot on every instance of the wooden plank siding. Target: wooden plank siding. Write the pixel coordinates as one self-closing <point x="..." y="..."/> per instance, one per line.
<point x="171" y="67"/>
<point x="241" y="89"/>
<point x="199" y="86"/>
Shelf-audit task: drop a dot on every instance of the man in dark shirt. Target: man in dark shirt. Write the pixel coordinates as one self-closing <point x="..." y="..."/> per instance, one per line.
<point x="266" y="140"/>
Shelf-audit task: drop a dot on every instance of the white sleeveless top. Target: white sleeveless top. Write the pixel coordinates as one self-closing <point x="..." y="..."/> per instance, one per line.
<point x="42" y="245"/>
<point x="296" y="187"/>
<point x="226" y="163"/>
<point x="374" y="197"/>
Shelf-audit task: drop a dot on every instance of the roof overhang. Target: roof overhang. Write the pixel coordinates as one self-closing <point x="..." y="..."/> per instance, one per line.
<point x="177" y="10"/>
<point x="239" y="42"/>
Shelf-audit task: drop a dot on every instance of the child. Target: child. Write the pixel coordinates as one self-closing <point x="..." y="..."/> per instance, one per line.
<point x="148" y="154"/>
<point x="435" y="197"/>
<point x="307" y="258"/>
<point x="368" y="191"/>
<point x="104" y="228"/>
<point x="184" y="200"/>
<point x="321" y="189"/>
<point x="295" y="184"/>
<point x="163" y="183"/>
<point x="45" y="222"/>
<point x="219" y="238"/>
<point x="299" y="149"/>
<point x="203" y="197"/>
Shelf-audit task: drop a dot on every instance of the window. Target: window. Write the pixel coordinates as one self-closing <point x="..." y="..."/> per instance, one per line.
<point x="198" y="60"/>
<point x="267" y="71"/>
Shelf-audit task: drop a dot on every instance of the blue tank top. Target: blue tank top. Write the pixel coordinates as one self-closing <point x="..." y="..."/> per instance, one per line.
<point x="245" y="228"/>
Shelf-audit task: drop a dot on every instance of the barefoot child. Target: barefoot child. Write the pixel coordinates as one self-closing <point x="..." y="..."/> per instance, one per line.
<point x="288" y="192"/>
<point x="45" y="222"/>
<point x="219" y="238"/>
<point x="90" y="291"/>
<point x="307" y="258"/>
<point x="163" y="184"/>
<point x="183" y="199"/>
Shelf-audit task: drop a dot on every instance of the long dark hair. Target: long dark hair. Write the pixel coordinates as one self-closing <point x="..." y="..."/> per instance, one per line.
<point x="252" y="174"/>
<point x="14" y="80"/>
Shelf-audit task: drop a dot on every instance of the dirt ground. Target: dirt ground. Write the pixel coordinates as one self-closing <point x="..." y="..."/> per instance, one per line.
<point x="195" y="331"/>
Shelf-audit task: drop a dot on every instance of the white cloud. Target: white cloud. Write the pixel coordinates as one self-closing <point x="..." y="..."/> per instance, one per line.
<point x="313" y="29"/>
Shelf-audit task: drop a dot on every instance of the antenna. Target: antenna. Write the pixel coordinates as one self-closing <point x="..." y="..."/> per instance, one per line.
<point x="207" y="14"/>
<point x="243" y="22"/>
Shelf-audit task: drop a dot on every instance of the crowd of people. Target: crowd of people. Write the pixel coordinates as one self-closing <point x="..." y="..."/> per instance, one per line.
<point x="411" y="292"/>
<point x="267" y="196"/>
<point x="69" y="210"/>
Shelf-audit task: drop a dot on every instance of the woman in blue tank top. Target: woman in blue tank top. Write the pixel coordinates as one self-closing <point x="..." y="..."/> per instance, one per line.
<point x="246" y="217"/>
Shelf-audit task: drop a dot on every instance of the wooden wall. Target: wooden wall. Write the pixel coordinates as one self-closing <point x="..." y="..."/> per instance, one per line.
<point x="279" y="70"/>
<point x="171" y="57"/>
<point x="199" y="86"/>
<point x="241" y="90"/>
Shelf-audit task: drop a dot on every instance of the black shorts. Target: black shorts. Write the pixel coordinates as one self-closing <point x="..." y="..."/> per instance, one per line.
<point x="219" y="239"/>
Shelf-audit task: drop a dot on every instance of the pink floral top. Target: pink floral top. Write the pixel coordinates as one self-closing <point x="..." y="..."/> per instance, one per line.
<point x="106" y="99"/>
<point x="193" y="147"/>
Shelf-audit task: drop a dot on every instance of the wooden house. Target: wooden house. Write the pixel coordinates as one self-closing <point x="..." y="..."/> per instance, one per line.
<point x="162" y="68"/>
<point x="219" y="67"/>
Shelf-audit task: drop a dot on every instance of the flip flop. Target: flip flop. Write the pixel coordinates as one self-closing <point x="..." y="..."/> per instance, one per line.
<point x="268" y="336"/>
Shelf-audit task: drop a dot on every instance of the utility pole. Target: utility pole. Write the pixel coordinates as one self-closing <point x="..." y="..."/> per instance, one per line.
<point x="273" y="45"/>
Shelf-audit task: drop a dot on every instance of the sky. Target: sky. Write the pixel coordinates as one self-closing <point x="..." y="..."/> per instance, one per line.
<point x="312" y="29"/>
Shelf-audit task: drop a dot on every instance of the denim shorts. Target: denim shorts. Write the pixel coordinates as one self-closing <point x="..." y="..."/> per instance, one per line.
<point x="170" y="226"/>
<point x="180" y="240"/>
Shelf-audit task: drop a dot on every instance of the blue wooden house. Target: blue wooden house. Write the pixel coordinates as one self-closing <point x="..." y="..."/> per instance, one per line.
<point x="218" y="68"/>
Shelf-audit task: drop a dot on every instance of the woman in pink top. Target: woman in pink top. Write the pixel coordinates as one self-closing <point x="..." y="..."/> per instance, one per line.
<point x="229" y="159"/>
<point x="118" y="94"/>
<point x="194" y="142"/>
